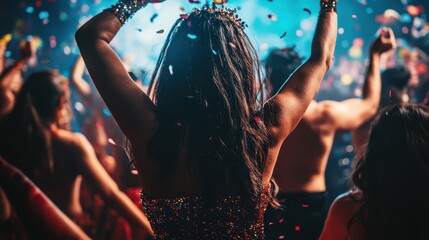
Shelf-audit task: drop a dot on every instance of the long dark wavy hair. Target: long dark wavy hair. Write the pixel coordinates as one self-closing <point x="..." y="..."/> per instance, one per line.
<point x="205" y="89"/>
<point x="393" y="175"/>
<point x="27" y="141"/>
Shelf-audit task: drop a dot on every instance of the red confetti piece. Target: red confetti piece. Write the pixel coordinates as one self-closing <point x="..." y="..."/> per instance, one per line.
<point x="270" y="223"/>
<point x="281" y="220"/>
<point x="281" y="237"/>
<point x="297" y="228"/>
<point x="184" y="16"/>
<point x="194" y="1"/>
<point x="305" y="205"/>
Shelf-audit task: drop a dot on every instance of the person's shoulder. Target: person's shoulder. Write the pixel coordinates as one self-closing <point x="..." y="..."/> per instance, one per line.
<point x="320" y="113"/>
<point x="72" y="140"/>
<point x="347" y="204"/>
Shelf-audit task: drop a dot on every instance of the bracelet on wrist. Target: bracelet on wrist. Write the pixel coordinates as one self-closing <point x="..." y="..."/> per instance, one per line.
<point x="125" y="9"/>
<point x="328" y="6"/>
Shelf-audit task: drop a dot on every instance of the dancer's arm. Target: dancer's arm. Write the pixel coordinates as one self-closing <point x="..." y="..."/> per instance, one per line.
<point x="352" y="113"/>
<point x="97" y="177"/>
<point x="40" y="216"/>
<point x="7" y="95"/>
<point x="127" y="102"/>
<point x="81" y="86"/>
<point x="287" y="107"/>
<point x="291" y="102"/>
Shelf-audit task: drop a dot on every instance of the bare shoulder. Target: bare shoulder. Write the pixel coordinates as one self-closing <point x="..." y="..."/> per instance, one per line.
<point x="73" y="141"/>
<point x="340" y="213"/>
<point x="320" y="113"/>
<point x="346" y="205"/>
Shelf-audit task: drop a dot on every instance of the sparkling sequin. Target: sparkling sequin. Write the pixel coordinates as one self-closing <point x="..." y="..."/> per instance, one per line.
<point x="194" y="218"/>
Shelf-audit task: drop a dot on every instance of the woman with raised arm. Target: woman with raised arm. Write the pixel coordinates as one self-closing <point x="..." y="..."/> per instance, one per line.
<point x="203" y="144"/>
<point x="36" y="140"/>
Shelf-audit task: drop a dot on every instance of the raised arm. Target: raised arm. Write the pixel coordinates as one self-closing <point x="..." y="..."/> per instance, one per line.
<point x="352" y="113"/>
<point x="81" y="86"/>
<point x="130" y="106"/>
<point x="97" y="177"/>
<point x="288" y="106"/>
<point x="9" y="74"/>
<point x="40" y="216"/>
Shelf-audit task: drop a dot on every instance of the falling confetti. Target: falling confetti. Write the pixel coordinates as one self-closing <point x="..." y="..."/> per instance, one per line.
<point x="307" y="10"/>
<point x="154" y="16"/>
<point x="283" y="35"/>
<point x="194" y="1"/>
<point x="111" y="141"/>
<point x="160" y="31"/>
<point x="273" y="17"/>
<point x="192" y="36"/>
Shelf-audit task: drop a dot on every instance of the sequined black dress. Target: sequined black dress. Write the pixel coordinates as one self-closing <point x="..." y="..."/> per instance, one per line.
<point x="193" y="218"/>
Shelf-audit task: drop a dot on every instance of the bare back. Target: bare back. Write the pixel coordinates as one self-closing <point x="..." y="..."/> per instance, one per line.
<point x="304" y="154"/>
<point x="64" y="185"/>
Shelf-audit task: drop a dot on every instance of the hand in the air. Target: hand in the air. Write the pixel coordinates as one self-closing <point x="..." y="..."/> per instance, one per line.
<point x="384" y="42"/>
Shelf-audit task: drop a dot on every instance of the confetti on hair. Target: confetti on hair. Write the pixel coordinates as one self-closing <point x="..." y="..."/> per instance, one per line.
<point x="232" y="45"/>
<point x="170" y="68"/>
<point x="214" y="52"/>
<point x="154" y="16"/>
<point x="160" y="31"/>
<point x="192" y="36"/>
<point x="307" y="10"/>
<point x="283" y="35"/>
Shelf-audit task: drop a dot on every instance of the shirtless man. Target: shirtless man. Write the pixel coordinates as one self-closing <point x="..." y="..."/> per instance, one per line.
<point x="301" y="165"/>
